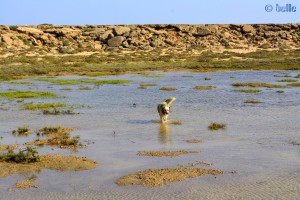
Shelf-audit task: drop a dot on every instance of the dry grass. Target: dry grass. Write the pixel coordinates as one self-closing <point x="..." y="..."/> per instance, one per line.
<point x="253" y="84"/>
<point x="248" y="90"/>
<point x="201" y="87"/>
<point x="165" y="153"/>
<point x="168" y="88"/>
<point x="252" y="101"/>
<point x="214" y="126"/>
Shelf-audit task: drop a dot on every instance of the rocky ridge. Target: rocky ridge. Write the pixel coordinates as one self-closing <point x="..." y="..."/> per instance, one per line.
<point x="47" y="38"/>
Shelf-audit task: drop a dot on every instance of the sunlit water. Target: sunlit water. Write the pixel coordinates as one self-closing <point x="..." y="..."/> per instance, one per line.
<point x="122" y="120"/>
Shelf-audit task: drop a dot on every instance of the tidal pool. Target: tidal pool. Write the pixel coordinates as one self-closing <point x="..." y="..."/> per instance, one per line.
<point x="257" y="151"/>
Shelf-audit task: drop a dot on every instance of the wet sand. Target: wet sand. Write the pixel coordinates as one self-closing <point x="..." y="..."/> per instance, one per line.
<point x="159" y="177"/>
<point x="54" y="162"/>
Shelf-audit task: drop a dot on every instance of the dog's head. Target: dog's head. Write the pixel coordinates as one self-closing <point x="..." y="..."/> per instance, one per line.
<point x="166" y="109"/>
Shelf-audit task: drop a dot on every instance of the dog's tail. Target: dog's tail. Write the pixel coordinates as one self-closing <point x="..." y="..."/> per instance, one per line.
<point x="170" y="100"/>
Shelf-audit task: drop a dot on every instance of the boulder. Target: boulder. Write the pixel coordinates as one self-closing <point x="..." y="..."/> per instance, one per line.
<point x="70" y="32"/>
<point x="202" y="31"/>
<point x="248" y="29"/>
<point x="30" y="31"/>
<point x="106" y="35"/>
<point x="115" y="41"/>
<point x="120" y="30"/>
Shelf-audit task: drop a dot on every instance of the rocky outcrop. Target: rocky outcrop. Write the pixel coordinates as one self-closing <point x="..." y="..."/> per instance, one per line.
<point x="72" y="39"/>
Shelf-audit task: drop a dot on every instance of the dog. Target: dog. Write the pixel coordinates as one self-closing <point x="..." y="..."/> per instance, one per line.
<point x="164" y="109"/>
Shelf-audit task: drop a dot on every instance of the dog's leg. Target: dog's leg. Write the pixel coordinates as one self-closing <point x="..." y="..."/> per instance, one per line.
<point x="164" y="119"/>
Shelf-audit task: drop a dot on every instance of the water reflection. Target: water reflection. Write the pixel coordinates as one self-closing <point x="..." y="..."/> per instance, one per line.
<point x="164" y="134"/>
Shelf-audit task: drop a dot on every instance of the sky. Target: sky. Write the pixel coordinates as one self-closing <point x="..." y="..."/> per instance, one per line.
<point x="105" y="12"/>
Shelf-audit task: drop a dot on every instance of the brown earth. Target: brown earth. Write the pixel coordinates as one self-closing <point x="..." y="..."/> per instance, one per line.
<point x="54" y="162"/>
<point x="159" y="177"/>
<point x="28" y="183"/>
<point x="165" y="153"/>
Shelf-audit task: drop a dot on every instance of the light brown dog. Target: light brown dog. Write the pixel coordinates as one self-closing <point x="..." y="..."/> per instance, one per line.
<point x="164" y="109"/>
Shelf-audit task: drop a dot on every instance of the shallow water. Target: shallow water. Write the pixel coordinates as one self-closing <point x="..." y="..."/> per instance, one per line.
<point x="256" y="144"/>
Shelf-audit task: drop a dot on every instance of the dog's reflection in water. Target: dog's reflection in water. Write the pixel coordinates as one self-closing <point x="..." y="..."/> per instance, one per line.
<point x="164" y="134"/>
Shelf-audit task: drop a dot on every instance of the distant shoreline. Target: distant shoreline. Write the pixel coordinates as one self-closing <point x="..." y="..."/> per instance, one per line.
<point x="108" y="50"/>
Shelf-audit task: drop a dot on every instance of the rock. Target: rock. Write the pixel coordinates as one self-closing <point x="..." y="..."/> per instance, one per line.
<point x="7" y="40"/>
<point x="48" y="40"/>
<point x="283" y="35"/>
<point x="115" y="41"/>
<point x="202" y="31"/>
<point x="154" y="43"/>
<point x="125" y="44"/>
<point x="169" y="42"/>
<point x="30" y="31"/>
<point x="120" y="30"/>
<point x="106" y="35"/>
<point x="64" y="32"/>
<point x="248" y="29"/>
<point x="97" y="45"/>
<point x="270" y="34"/>
<point x="226" y="35"/>
<point x="35" y="42"/>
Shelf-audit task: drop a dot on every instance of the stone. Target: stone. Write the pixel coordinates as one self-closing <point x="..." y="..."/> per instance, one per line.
<point x="248" y="29"/>
<point x="125" y="44"/>
<point x="120" y="30"/>
<point x="106" y="35"/>
<point x="6" y="39"/>
<point x="202" y="31"/>
<point x="115" y="41"/>
<point x="30" y="31"/>
<point x="283" y="35"/>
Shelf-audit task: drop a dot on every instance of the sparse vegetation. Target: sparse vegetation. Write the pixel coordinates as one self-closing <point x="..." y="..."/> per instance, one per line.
<point x="40" y="106"/>
<point x="168" y="88"/>
<point x="252" y="101"/>
<point x="194" y="141"/>
<point x="13" y="28"/>
<point x="252" y="84"/>
<point x="20" y="83"/>
<point x="295" y="143"/>
<point x="83" y="81"/>
<point x="217" y="126"/>
<point x="153" y="75"/>
<point x="25" y="41"/>
<point x="287" y="80"/>
<point x="165" y="153"/>
<point x="248" y="90"/>
<point x="22" y="131"/>
<point x="112" y="63"/>
<point x="201" y="87"/>
<point x="54" y="111"/>
<point x="85" y="88"/>
<point x="148" y="84"/>
<point x="27" y="155"/>
<point x="57" y="136"/>
<point x="27" y="94"/>
<point x="293" y="84"/>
